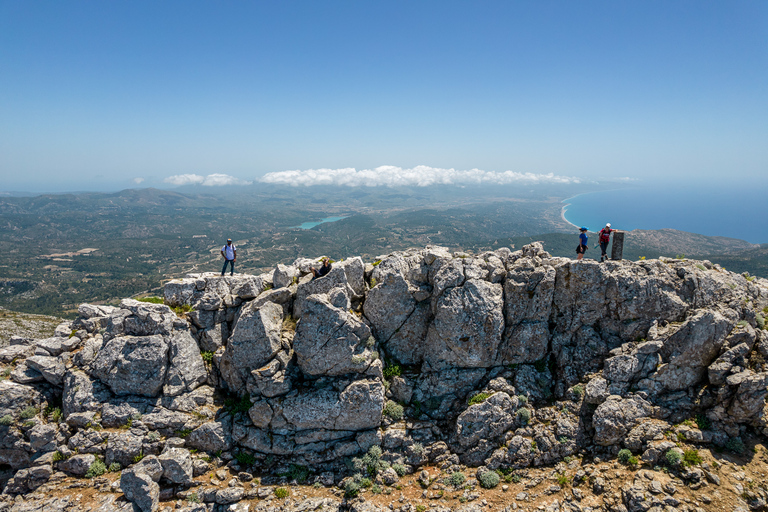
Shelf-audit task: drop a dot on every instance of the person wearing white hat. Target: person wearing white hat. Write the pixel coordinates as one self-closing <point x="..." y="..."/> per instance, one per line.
<point x="605" y="238"/>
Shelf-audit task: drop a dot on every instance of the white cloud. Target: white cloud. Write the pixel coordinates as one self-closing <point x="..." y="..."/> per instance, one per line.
<point x="138" y="180"/>
<point x="212" y="180"/>
<point x="420" y="176"/>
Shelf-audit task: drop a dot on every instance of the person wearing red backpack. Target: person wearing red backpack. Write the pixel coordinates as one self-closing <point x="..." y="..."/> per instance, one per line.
<point x="605" y="238"/>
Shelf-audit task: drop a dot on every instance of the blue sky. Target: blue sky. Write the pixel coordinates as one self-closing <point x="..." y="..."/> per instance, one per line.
<point x="99" y="95"/>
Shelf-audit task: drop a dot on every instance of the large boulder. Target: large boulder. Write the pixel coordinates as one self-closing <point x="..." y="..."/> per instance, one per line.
<point x="255" y="339"/>
<point x="186" y="369"/>
<point x="467" y="328"/>
<point x="330" y="340"/>
<point x="615" y="417"/>
<point x="485" y="421"/>
<point x="335" y="279"/>
<point x="133" y="365"/>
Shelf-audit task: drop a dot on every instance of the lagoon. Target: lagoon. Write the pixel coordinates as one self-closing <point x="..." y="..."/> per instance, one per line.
<point x="310" y="225"/>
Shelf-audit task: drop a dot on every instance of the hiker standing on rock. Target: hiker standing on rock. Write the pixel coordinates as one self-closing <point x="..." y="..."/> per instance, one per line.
<point x="605" y="237"/>
<point x="229" y="252"/>
<point x="323" y="270"/>
<point x="583" y="240"/>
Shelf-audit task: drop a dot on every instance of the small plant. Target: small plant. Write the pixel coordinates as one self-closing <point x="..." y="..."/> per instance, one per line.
<point x="128" y="424"/>
<point x="399" y="469"/>
<point x="642" y="258"/>
<point x="673" y="457"/>
<point x="97" y="468"/>
<point x="6" y="420"/>
<point x="393" y="410"/>
<point x="184" y="432"/>
<point x="151" y="300"/>
<point x="522" y="400"/>
<point x="182" y="310"/>
<point x="523" y="415"/>
<point x="735" y="445"/>
<point x="281" y="493"/>
<point x="245" y="458"/>
<point x="153" y="436"/>
<point x="703" y="422"/>
<point x="55" y="414"/>
<point x="417" y="448"/>
<point x="72" y="334"/>
<point x="376" y="489"/>
<point x="114" y="467"/>
<point x="578" y="391"/>
<point x="58" y="456"/>
<point x="138" y="457"/>
<point x="633" y="461"/>
<point x="299" y="473"/>
<point x="541" y="365"/>
<point x="392" y="370"/>
<point x="373" y="282"/>
<point x="680" y="256"/>
<point x="457" y="479"/>
<point x="370" y="342"/>
<point x="760" y="321"/>
<point x="562" y="480"/>
<point x="28" y="412"/>
<point x="624" y="456"/>
<point x="692" y="458"/>
<point x="489" y="479"/>
<point x="479" y="398"/>
<point x="193" y="498"/>
<point x="421" y="508"/>
<point x="235" y="405"/>
<point x="357" y="360"/>
<point x="207" y="356"/>
<point x="534" y="446"/>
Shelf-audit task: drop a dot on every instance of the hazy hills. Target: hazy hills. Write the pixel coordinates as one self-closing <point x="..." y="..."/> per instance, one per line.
<point x="57" y="251"/>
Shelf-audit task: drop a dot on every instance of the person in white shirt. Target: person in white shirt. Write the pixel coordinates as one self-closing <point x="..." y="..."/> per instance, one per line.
<point x="229" y="252"/>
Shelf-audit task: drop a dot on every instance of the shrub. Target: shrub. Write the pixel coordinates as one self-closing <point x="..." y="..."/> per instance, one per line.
<point x="760" y="321"/>
<point x="479" y="398"/>
<point x="207" y="356"/>
<point x="399" y="469"/>
<point x="394" y="410"/>
<point x="235" y="405"/>
<point x="6" y="420"/>
<point x="97" y="468"/>
<point x="245" y="458"/>
<point x="376" y="489"/>
<point x="151" y="300"/>
<point x="28" y="412"/>
<point x="456" y="479"/>
<point x="184" y="432"/>
<point x="417" y="448"/>
<point x="541" y="365"/>
<point x="299" y="473"/>
<point x="193" y="498"/>
<point x="633" y="461"/>
<point x="562" y="480"/>
<point x="522" y="400"/>
<point x="691" y="457"/>
<point x="624" y="456"/>
<point x="578" y="391"/>
<point x="371" y="463"/>
<point x="523" y="415"/>
<point x="138" y="457"/>
<point x="673" y="457"/>
<point x="703" y="422"/>
<point x="114" y="467"/>
<point x="281" y="492"/>
<point x="735" y="445"/>
<point x="58" y="456"/>
<point x="392" y="370"/>
<point x="352" y="487"/>
<point x="421" y="508"/>
<point x="489" y="479"/>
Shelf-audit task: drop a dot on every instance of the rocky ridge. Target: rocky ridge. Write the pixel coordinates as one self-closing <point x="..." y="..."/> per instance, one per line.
<point x="500" y="362"/>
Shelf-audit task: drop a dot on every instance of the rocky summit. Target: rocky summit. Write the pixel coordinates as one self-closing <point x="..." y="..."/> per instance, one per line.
<point x="424" y="379"/>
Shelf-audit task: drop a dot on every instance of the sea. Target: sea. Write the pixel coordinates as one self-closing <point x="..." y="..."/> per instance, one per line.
<point x="713" y="211"/>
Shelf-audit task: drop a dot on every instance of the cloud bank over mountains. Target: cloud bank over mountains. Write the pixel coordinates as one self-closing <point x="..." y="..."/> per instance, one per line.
<point x="419" y="176"/>
<point x="212" y="180"/>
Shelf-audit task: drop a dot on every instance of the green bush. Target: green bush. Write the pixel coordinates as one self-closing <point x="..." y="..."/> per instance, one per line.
<point x="691" y="457"/>
<point x="299" y="473"/>
<point x="235" y="405"/>
<point x="28" y="412"/>
<point x="562" y="479"/>
<point x="703" y="422"/>
<point x="578" y="391"/>
<point x="392" y="370"/>
<point x="394" y="410"/>
<point x="760" y="321"/>
<point x="735" y="445"/>
<point x="624" y="456"/>
<point x="114" y="467"/>
<point x="97" y="468"/>
<point x="457" y="479"/>
<point x="673" y="457"/>
<point x="522" y="400"/>
<point x="152" y="300"/>
<point x="489" y="479"/>
<point x="58" y="456"/>
<point x="207" y="356"/>
<point x="479" y="398"/>
<point x="523" y="415"/>
<point x="281" y="492"/>
<point x="399" y="469"/>
<point x="6" y="420"/>
<point x="245" y="458"/>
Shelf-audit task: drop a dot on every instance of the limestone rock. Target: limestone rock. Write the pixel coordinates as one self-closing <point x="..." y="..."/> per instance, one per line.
<point x="615" y="417"/>
<point x="133" y="365"/>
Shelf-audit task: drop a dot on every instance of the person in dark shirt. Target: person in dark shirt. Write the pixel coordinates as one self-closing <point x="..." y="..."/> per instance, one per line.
<point x="605" y="238"/>
<point x="583" y="240"/>
<point x="322" y="270"/>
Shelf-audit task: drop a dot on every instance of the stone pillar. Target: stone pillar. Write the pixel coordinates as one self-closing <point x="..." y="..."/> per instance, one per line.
<point x="617" y="250"/>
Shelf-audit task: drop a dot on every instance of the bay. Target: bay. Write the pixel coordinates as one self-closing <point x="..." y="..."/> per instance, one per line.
<point x="310" y="225"/>
<point x="714" y="211"/>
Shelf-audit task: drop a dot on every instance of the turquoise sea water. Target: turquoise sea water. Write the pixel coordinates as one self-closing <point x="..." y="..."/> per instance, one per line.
<point x="733" y="213"/>
<point x="310" y="225"/>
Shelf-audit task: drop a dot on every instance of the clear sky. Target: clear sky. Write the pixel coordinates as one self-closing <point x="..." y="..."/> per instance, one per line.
<point x="104" y="94"/>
